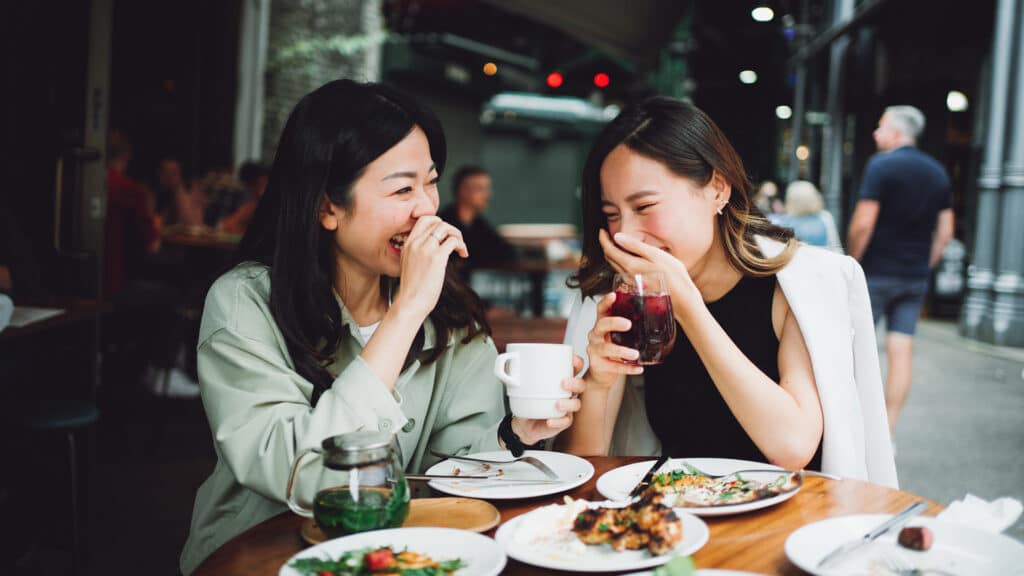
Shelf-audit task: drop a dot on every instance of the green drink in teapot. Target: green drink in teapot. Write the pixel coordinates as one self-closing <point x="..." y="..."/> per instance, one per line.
<point x="362" y="484"/>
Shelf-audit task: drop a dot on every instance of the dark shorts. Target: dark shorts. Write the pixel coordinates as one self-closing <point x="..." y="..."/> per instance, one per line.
<point x="898" y="300"/>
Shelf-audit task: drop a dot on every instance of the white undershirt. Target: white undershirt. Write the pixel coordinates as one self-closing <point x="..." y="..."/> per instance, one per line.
<point x="366" y="332"/>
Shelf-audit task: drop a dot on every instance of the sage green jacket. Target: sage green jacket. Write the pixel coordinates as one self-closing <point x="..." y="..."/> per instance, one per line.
<point x="260" y="414"/>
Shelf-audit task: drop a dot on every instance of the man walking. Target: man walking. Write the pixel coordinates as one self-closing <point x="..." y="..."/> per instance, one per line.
<point x="901" y="225"/>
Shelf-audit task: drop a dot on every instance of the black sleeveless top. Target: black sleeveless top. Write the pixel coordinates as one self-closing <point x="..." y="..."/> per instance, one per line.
<point x="684" y="407"/>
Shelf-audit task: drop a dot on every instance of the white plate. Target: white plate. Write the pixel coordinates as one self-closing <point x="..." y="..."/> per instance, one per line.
<point x="544" y="538"/>
<point x="705" y="572"/>
<point x="957" y="549"/>
<point x="616" y="484"/>
<point x="481" y="556"/>
<point x="572" y="470"/>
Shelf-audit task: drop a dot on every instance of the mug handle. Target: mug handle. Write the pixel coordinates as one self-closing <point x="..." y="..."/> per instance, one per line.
<point x="289" y="496"/>
<point x="500" y="363"/>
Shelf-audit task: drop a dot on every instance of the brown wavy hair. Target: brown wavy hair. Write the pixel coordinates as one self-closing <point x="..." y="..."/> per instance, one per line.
<point x="684" y="139"/>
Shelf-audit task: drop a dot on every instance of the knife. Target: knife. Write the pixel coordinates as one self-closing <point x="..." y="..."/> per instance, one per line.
<point x="498" y="479"/>
<point x="896" y="521"/>
<point x="646" y="480"/>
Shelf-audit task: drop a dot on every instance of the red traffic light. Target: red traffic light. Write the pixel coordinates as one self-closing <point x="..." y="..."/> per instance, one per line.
<point x="601" y="80"/>
<point x="554" y="80"/>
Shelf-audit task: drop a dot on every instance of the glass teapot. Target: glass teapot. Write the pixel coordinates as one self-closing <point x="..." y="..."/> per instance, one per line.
<point x="363" y="487"/>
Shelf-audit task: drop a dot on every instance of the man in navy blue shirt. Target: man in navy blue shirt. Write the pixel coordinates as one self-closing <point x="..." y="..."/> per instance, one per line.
<point x="902" y="222"/>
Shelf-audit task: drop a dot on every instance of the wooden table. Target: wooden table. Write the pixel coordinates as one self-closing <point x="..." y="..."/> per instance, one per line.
<point x="752" y="541"/>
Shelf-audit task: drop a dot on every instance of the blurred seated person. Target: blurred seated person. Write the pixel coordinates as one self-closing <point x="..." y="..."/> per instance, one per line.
<point x="472" y="190"/>
<point x="176" y="203"/>
<point x="254" y="177"/>
<point x="767" y="199"/>
<point x="132" y="227"/>
<point x="806" y="215"/>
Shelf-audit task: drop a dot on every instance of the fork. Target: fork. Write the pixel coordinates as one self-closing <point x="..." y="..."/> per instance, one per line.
<point x="694" y="470"/>
<point x="532" y="461"/>
<point x="900" y="567"/>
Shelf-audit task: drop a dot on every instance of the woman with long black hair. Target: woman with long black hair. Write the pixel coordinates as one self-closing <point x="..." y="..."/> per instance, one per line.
<point x="343" y="314"/>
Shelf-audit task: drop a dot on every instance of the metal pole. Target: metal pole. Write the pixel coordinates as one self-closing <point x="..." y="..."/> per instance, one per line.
<point x="798" y="100"/>
<point x="976" y="317"/>
<point x="1008" y="288"/>
<point x="832" y="138"/>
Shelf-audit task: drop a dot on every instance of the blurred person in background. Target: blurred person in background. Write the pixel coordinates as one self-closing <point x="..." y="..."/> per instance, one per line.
<point x="132" y="227"/>
<point x="901" y="225"/>
<point x="471" y="188"/>
<point x="767" y="199"/>
<point x="806" y="215"/>
<point x="253" y="176"/>
<point x="176" y="203"/>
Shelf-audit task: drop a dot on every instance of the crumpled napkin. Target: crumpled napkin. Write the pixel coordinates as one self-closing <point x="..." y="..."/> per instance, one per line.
<point x="994" y="516"/>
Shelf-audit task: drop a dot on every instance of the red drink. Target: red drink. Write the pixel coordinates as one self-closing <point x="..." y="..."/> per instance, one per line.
<point x="654" y="328"/>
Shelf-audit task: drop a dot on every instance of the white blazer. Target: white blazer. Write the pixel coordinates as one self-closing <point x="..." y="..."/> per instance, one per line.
<point x="829" y="298"/>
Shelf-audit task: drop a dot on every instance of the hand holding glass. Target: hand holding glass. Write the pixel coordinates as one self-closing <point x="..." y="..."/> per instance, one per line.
<point x="644" y="300"/>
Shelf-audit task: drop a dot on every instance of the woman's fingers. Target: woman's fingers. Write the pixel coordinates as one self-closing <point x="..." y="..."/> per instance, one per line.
<point x="617" y="256"/>
<point x="574" y="385"/>
<point x="569" y="405"/>
<point x="609" y="324"/>
<point x="616" y="352"/>
<point x="557" y="424"/>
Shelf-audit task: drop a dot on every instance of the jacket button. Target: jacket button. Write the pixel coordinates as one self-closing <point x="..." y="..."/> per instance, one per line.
<point x="409" y="425"/>
<point x="384" y="425"/>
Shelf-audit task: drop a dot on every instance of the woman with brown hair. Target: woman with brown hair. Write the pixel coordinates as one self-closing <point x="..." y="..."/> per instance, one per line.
<point x="775" y="358"/>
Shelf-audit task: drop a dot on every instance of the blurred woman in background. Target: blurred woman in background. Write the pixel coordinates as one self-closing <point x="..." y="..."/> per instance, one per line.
<point x="806" y="215"/>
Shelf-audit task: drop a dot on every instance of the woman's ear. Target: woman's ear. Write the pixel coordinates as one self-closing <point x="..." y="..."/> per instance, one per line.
<point x="329" y="215"/>
<point x="720" y="188"/>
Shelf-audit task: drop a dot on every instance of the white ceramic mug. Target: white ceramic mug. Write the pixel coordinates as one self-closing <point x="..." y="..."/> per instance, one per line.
<point x="533" y="375"/>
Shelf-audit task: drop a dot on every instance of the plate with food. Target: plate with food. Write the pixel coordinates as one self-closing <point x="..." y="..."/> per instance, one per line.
<point x="401" y="551"/>
<point x="706" y="486"/>
<point x="582" y="536"/>
<point x="929" y="545"/>
<point x="510" y="480"/>
<point x="683" y="566"/>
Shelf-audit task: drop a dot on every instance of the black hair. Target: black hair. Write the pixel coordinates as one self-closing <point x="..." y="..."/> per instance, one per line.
<point x="252" y="170"/>
<point x="330" y="137"/>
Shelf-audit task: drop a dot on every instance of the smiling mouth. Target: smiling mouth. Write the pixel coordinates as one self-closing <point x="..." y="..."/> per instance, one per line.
<point x="398" y="240"/>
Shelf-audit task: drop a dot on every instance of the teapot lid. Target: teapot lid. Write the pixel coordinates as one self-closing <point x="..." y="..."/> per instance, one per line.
<point x="358" y="441"/>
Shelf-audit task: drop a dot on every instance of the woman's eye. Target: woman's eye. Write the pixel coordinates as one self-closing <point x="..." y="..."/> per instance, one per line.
<point x="434" y="181"/>
<point x="611" y="217"/>
<point x="405" y="190"/>
<point x="644" y="207"/>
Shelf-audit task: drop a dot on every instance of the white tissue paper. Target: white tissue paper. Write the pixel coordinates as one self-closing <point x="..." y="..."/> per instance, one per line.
<point x="994" y="516"/>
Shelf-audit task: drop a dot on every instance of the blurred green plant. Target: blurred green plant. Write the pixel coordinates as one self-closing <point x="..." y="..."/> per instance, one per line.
<point x="308" y="49"/>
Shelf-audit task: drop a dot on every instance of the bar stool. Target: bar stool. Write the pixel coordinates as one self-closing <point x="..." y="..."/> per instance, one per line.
<point x="68" y="418"/>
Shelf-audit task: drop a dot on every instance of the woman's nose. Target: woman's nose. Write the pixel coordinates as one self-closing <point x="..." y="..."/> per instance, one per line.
<point x="425" y="204"/>
<point x="631" y="227"/>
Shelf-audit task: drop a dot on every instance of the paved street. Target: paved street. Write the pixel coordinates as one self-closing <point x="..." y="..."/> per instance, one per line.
<point x="962" y="428"/>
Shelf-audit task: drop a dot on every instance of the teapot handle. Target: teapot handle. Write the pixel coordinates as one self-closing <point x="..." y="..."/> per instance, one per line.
<point x="289" y="492"/>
